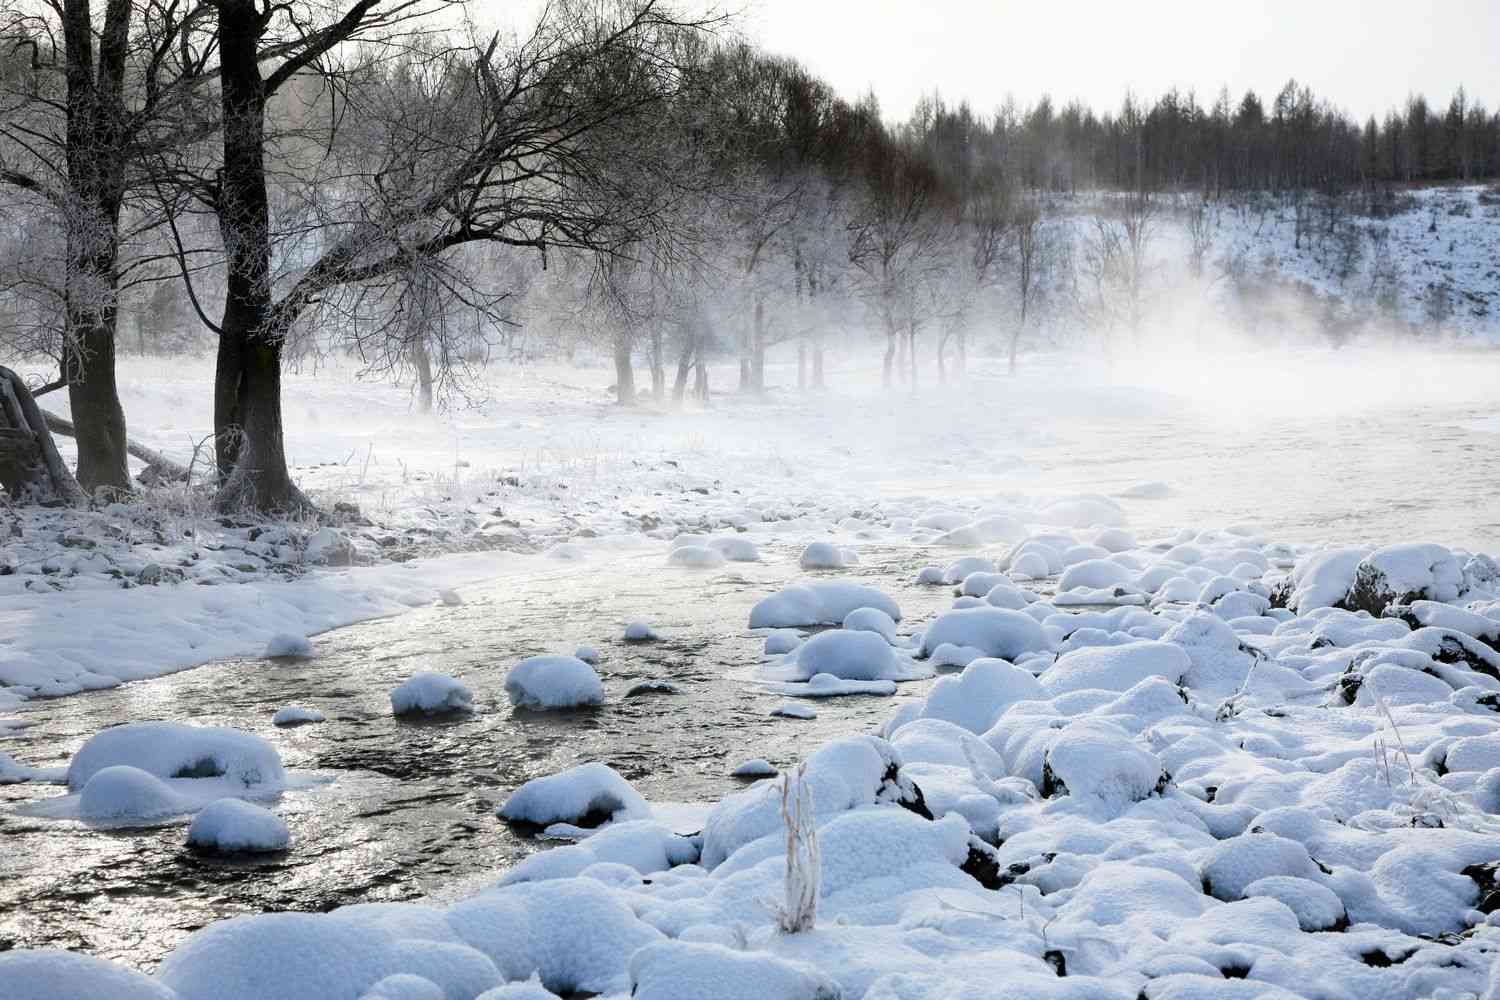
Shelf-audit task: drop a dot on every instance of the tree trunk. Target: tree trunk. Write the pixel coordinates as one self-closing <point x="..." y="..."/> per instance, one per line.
<point x="247" y="383"/>
<point x="95" y="404"/>
<point x="901" y="356"/>
<point x="31" y="470"/>
<point x="684" y="370"/>
<point x="96" y="189"/>
<point x="817" y="377"/>
<point x="887" y="368"/>
<point x="658" y="368"/>
<point x="961" y="363"/>
<point x="700" y="382"/>
<point x="421" y="360"/>
<point x="911" y="356"/>
<point x="942" y="363"/>
<point x="624" y="373"/>
<point x="802" y="365"/>
<point x="758" y="348"/>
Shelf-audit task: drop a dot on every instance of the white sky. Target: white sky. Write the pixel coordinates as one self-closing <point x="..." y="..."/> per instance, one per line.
<point x="1363" y="55"/>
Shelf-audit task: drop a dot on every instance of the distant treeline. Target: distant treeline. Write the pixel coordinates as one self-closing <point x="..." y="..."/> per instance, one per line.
<point x="1298" y="140"/>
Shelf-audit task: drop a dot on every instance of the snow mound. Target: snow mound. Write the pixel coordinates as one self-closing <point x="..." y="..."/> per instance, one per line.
<point x="792" y="710"/>
<point x="821" y="602"/>
<point x="531" y="989"/>
<point x="429" y="693"/>
<point x="871" y="620"/>
<point x="63" y="975"/>
<point x="548" y="682"/>
<point x="826" y="555"/>
<point x="997" y="632"/>
<point x="736" y="549"/>
<point x="855" y="656"/>
<point x="977" y="697"/>
<point x="1085" y="511"/>
<point x="588" y="654"/>
<point x="124" y="794"/>
<point x="173" y="750"/>
<point x="1097" y="759"/>
<point x="1317" y="907"/>
<point x="1324" y="578"/>
<point x="1115" y="668"/>
<point x="843" y="774"/>
<point x="450" y="598"/>
<point x="1095" y="574"/>
<point x="756" y="767"/>
<point x="696" y="557"/>
<point x="1229" y="869"/>
<point x="292" y="715"/>
<point x="639" y="631"/>
<point x="675" y="970"/>
<point x="233" y="825"/>
<point x="290" y="645"/>
<point x="405" y="986"/>
<point x="588" y="792"/>
<point x="1401" y="574"/>
<point x="783" y="640"/>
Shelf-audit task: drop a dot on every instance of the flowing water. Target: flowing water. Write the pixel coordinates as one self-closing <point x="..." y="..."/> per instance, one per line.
<point x="411" y="806"/>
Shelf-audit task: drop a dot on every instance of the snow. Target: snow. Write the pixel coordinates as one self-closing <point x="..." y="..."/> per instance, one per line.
<point x="430" y="693"/>
<point x="820" y="602"/>
<point x="792" y="710"/>
<point x="639" y="631"/>
<point x="171" y="750"/>
<point x="233" y="826"/>
<point x="997" y="632"/>
<point x="545" y="682"/>
<point x="871" y="620"/>
<point x="123" y="794"/>
<point x="54" y="975"/>
<point x="784" y="640"/>
<point x="570" y="795"/>
<point x="293" y="715"/>
<point x="671" y="970"/>
<point x="825" y="555"/>
<point x="1095" y="574"/>
<point x="855" y="656"/>
<point x="696" y="557"/>
<point x="755" y="767"/>
<point x="1115" y="668"/>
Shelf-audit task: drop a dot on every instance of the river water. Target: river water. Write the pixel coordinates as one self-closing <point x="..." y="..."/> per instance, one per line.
<point x="411" y="808"/>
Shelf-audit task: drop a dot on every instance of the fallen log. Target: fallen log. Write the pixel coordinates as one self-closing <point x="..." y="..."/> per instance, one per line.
<point x="31" y="470"/>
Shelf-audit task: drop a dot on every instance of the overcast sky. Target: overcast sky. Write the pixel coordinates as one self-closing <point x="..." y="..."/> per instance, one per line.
<point x="1363" y="55"/>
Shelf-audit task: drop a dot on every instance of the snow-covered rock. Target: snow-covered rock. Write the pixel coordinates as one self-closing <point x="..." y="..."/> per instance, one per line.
<point x="820" y="602"/>
<point x="547" y="682"/>
<point x="235" y="826"/>
<point x="997" y="632"/>
<point x="640" y="631"/>
<point x="173" y="750"/>
<point x="58" y="975"/>
<point x="430" y="693"/>
<point x="587" y="792"/>
<point x="696" y="557"/>
<point x="290" y="645"/>
<point x="293" y="715"/>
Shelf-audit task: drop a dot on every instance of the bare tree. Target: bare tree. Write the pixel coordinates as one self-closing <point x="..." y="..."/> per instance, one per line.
<point x="1028" y="229"/>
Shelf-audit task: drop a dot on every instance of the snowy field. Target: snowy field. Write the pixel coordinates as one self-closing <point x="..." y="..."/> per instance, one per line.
<point x="1211" y="702"/>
